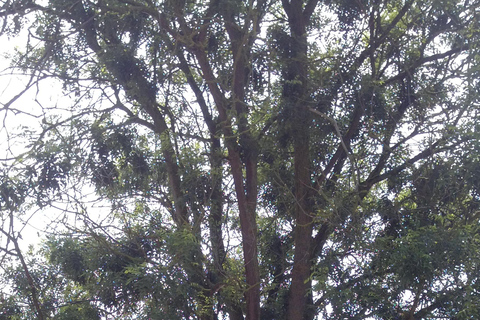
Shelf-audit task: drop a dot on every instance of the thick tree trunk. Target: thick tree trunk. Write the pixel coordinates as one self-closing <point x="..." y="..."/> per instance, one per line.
<point x="296" y="97"/>
<point x="303" y="234"/>
<point x="249" y="240"/>
<point x="249" y="149"/>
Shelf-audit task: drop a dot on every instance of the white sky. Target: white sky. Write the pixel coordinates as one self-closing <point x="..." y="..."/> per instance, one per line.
<point x="14" y="123"/>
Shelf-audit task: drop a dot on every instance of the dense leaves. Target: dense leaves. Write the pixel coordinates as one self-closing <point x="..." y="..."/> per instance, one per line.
<point x="244" y="160"/>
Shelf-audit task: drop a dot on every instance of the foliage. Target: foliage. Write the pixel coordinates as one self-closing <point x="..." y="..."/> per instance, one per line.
<point x="243" y="160"/>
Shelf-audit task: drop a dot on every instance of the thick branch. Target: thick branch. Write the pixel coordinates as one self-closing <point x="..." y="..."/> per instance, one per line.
<point x="246" y="207"/>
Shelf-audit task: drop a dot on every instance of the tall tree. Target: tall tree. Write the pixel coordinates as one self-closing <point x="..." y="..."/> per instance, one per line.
<point x="261" y="159"/>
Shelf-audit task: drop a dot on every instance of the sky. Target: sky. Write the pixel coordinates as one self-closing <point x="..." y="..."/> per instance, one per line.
<point x="24" y="114"/>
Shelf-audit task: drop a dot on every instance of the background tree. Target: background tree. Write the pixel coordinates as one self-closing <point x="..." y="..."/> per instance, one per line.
<point x="254" y="159"/>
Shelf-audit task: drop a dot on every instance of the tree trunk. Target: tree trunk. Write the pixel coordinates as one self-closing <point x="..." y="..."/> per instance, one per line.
<point x="296" y="97"/>
<point x="246" y="201"/>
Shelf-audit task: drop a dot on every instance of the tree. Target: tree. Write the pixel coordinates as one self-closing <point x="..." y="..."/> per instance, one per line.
<point x="261" y="159"/>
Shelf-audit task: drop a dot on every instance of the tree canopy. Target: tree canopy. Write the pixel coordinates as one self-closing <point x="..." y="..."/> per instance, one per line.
<point x="224" y="159"/>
